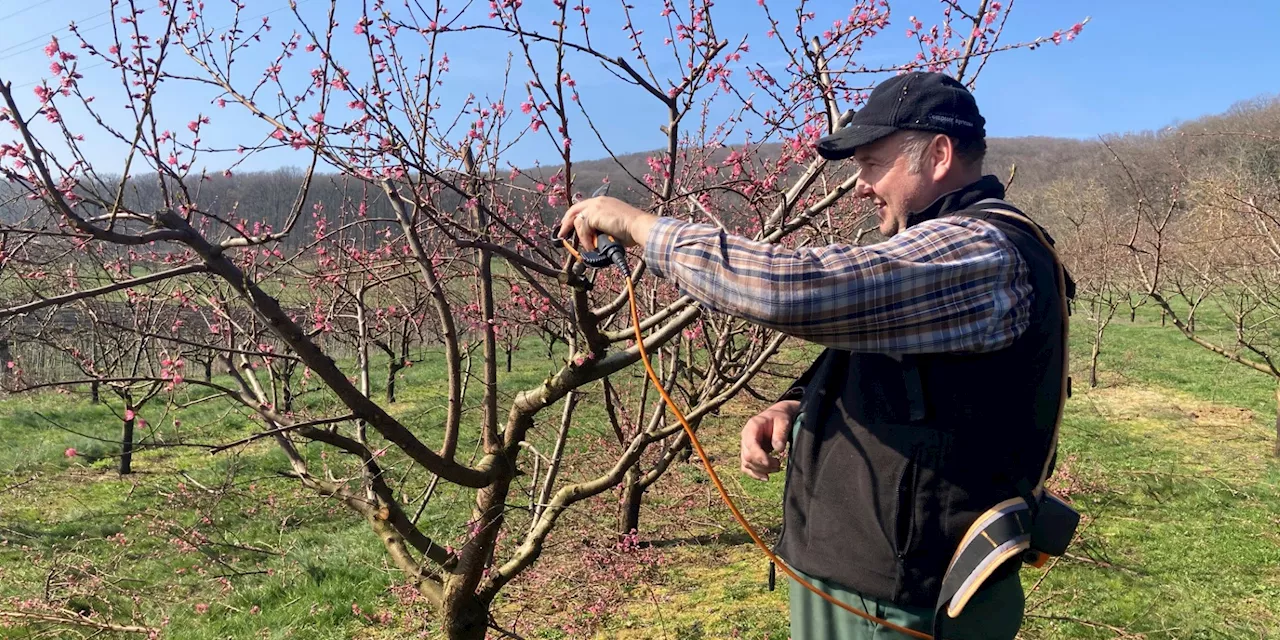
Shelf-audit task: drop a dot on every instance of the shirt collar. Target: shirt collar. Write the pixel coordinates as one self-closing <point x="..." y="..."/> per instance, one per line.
<point x="985" y="187"/>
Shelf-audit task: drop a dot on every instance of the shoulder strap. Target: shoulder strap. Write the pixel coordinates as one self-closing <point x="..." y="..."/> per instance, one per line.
<point x="998" y="209"/>
<point x="1004" y="531"/>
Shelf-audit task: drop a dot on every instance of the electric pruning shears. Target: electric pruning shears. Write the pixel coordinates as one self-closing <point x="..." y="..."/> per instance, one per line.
<point x="608" y="251"/>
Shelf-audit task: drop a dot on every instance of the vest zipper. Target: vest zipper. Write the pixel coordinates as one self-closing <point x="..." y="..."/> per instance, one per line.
<point x="907" y="499"/>
<point x="786" y="484"/>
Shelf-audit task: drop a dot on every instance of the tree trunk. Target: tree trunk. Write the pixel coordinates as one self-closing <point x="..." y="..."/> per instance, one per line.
<point x="94" y="398"/>
<point x="126" y="447"/>
<point x="509" y="350"/>
<point x="208" y="369"/>
<point x="632" y="498"/>
<point x="466" y="618"/>
<point x="288" y="395"/>
<point x="5" y="358"/>
<point x="1275" y="451"/>
<point x="1093" y="357"/>
<point x="465" y="615"/>
<point x="392" y="369"/>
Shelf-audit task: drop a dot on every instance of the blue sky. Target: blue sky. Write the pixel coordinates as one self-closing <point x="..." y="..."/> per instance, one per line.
<point x="1137" y="65"/>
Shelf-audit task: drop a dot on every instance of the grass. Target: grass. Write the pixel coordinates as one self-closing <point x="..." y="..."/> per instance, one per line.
<point x="1168" y="460"/>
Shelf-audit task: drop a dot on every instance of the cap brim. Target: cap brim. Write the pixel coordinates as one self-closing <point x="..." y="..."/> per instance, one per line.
<point x="841" y="144"/>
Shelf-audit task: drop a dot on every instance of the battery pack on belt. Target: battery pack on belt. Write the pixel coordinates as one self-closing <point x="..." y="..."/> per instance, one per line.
<point x="1009" y="530"/>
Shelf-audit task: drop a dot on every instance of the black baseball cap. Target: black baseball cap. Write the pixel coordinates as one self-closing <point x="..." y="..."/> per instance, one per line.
<point x="922" y="101"/>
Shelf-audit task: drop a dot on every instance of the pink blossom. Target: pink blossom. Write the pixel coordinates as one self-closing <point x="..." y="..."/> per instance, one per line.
<point x="202" y="608"/>
<point x="129" y="414"/>
<point x="52" y="49"/>
<point x="70" y="452"/>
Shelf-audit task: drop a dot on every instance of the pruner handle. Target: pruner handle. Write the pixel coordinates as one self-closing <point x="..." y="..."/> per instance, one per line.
<point x="604" y="256"/>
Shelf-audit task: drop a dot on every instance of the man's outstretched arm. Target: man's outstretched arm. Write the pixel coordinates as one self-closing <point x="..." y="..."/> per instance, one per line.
<point x="948" y="285"/>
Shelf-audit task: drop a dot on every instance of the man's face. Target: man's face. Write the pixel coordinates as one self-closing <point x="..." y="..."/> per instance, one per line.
<point x="886" y="180"/>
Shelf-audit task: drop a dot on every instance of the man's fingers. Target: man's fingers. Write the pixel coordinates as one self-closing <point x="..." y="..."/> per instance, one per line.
<point x="751" y="455"/>
<point x="750" y="445"/>
<point x="781" y="431"/>
<point x="762" y="471"/>
<point x="566" y="223"/>
<point x="756" y="461"/>
<point x="586" y="235"/>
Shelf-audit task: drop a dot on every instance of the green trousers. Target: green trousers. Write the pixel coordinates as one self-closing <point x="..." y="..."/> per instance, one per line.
<point x="994" y="613"/>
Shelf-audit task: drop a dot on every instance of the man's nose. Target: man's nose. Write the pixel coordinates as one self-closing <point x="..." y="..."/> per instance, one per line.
<point x="861" y="188"/>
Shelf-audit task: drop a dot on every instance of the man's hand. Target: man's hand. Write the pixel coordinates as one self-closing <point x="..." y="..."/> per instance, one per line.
<point x="611" y="216"/>
<point x="765" y="436"/>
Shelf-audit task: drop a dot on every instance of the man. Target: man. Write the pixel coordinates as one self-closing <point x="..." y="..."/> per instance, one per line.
<point x="940" y="389"/>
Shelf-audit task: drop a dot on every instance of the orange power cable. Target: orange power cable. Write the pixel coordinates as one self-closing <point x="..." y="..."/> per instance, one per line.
<point x="724" y="495"/>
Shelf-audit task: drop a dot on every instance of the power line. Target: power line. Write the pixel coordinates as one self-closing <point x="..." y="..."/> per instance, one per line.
<point x="42" y="36"/>
<point x="41" y="45"/>
<point x="22" y="11"/>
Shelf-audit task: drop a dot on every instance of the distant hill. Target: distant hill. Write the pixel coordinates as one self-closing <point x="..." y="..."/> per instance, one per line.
<point x="1040" y="161"/>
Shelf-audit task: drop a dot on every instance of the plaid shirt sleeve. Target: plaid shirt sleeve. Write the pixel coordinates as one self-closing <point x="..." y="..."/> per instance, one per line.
<point x="953" y="284"/>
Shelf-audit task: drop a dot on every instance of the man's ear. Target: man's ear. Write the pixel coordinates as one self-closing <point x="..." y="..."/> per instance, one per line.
<point x="941" y="156"/>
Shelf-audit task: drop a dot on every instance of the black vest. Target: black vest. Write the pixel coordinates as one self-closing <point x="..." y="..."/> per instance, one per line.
<point x="896" y="456"/>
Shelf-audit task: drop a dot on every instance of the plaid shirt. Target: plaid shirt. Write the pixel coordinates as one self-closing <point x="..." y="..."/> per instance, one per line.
<point x="952" y="284"/>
